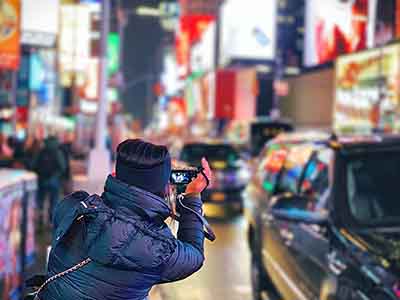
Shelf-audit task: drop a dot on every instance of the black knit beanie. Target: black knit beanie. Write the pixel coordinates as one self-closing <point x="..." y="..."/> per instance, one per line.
<point x="144" y="165"/>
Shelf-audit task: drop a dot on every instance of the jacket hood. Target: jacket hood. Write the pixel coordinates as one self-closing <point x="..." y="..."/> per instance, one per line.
<point x="130" y="199"/>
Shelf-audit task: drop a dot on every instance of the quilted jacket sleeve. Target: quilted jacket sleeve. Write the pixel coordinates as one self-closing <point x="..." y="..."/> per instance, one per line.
<point x="188" y="256"/>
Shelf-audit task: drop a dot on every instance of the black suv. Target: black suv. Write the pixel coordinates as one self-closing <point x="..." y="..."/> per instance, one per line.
<point x="324" y="218"/>
<point x="230" y="175"/>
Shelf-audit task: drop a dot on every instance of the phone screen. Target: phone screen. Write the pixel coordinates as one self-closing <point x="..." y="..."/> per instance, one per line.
<point x="182" y="176"/>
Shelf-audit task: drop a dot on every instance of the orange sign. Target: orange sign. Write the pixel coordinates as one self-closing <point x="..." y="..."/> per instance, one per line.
<point x="10" y="13"/>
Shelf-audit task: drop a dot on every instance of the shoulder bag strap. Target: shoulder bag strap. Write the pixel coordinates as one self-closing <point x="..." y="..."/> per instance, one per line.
<point x="68" y="271"/>
<point x="61" y="274"/>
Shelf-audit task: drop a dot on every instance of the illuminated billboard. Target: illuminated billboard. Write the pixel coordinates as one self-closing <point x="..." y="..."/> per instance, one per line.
<point x="367" y="91"/>
<point x="202" y="56"/>
<point x="248" y="30"/>
<point x="190" y="31"/>
<point x="40" y="22"/>
<point x="334" y="28"/>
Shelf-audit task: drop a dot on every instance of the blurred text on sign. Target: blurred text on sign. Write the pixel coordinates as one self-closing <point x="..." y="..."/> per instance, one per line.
<point x="10" y="34"/>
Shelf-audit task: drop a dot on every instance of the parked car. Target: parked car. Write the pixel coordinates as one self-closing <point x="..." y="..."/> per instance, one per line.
<point x="324" y="218"/>
<point x="230" y="175"/>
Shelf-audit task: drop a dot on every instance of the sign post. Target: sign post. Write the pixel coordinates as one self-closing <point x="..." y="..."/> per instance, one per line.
<point x="99" y="160"/>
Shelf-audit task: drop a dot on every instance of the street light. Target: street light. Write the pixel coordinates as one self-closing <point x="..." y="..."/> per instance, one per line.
<point x="148" y="11"/>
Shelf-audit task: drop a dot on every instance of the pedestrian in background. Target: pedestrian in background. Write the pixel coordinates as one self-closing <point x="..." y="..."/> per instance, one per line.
<point x="18" y="153"/>
<point x="32" y="148"/>
<point x="49" y="165"/>
<point x="6" y="152"/>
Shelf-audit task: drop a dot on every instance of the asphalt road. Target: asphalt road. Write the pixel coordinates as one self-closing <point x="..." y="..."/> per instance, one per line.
<point x="226" y="272"/>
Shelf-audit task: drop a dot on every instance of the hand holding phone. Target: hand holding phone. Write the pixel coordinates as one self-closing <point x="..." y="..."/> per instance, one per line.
<point x="200" y="183"/>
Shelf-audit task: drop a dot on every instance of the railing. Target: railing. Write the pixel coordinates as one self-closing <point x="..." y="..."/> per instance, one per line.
<point x="17" y="232"/>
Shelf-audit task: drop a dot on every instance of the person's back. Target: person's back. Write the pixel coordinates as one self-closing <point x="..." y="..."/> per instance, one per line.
<point x="49" y="161"/>
<point x="123" y="232"/>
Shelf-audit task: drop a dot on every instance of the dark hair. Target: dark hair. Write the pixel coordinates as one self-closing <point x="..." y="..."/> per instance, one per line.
<point x="140" y="154"/>
<point x="143" y="165"/>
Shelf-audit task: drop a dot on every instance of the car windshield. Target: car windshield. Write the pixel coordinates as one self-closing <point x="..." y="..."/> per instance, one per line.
<point x="224" y="153"/>
<point x="373" y="187"/>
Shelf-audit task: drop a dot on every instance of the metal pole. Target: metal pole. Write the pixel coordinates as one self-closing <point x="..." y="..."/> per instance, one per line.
<point x="122" y="23"/>
<point x="101" y="120"/>
<point x="14" y="87"/>
<point x="99" y="158"/>
<point x="278" y="75"/>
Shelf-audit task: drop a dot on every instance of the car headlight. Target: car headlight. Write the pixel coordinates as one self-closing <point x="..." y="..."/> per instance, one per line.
<point x="244" y="175"/>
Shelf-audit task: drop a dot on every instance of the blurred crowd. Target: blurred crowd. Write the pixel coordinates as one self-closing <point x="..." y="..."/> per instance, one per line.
<point x="49" y="158"/>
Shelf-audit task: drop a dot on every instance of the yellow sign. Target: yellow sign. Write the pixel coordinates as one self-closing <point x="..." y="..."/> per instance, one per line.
<point x="9" y="34"/>
<point x="218" y="197"/>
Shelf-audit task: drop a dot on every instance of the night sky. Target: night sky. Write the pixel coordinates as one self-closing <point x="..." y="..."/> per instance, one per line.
<point x="142" y="57"/>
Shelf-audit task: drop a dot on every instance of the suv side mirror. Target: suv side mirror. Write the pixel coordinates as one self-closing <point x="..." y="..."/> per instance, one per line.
<point x="293" y="208"/>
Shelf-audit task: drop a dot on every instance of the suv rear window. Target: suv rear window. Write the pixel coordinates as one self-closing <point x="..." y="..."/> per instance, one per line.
<point x="372" y="187"/>
<point x="193" y="153"/>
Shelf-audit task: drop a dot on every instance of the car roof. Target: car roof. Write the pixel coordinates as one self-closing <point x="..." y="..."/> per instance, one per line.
<point x="341" y="142"/>
<point x="302" y="137"/>
<point x="368" y="142"/>
<point x="206" y="142"/>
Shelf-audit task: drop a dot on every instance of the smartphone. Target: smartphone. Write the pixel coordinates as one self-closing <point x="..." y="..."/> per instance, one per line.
<point x="183" y="177"/>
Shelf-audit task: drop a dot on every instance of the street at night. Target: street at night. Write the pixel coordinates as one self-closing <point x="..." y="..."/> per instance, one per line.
<point x="226" y="272"/>
<point x="199" y="149"/>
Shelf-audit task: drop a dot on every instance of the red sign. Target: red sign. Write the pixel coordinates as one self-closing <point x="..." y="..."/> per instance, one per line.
<point x="190" y="30"/>
<point x="10" y="13"/>
<point x="236" y="94"/>
<point x="22" y="114"/>
<point x="195" y="25"/>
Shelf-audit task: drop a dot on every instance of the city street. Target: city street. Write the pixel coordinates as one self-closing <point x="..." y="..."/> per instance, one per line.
<point x="226" y="272"/>
<point x="118" y="115"/>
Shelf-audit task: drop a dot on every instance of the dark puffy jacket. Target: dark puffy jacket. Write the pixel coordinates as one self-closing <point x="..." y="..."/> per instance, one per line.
<point x="131" y="247"/>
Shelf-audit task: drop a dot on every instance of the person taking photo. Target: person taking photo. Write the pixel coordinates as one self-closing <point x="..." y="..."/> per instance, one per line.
<point x="118" y="246"/>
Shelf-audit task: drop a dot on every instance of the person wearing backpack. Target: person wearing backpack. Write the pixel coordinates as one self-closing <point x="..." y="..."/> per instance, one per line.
<point x="49" y="165"/>
<point x="117" y="245"/>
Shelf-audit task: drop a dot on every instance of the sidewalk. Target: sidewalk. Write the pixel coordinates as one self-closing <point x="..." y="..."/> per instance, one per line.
<point x="82" y="182"/>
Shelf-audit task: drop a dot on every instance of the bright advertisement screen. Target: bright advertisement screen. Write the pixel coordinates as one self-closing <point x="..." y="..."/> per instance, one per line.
<point x="333" y="28"/>
<point x="40" y="16"/>
<point x="248" y="30"/>
<point x="42" y="80"/>
<point x="367" y="95"/>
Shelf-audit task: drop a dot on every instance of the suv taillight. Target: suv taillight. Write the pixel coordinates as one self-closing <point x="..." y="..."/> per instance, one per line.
<point x="396" y="289"/>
